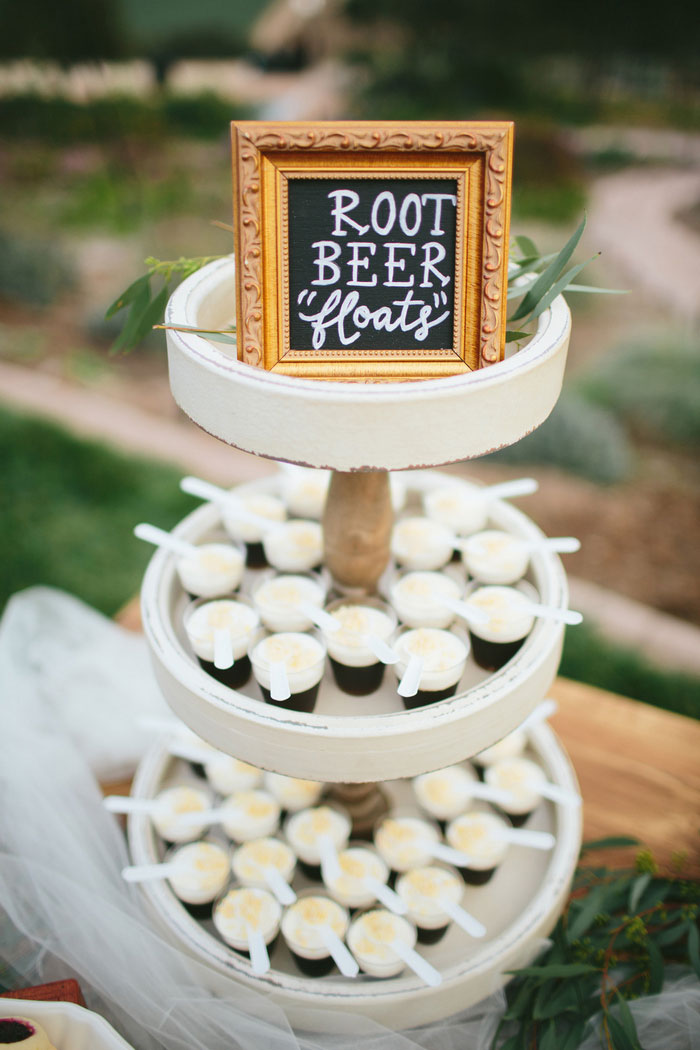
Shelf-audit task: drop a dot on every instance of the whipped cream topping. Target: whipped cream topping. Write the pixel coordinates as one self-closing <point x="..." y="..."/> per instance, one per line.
<point x="370" y="938"/>
<point x="522" y="778"/>
<point x="305" y="828"/>
<point x="236" y="618"/>
<point x="424" y="889"/>
<point x="302" y="655"/>
<point x="226" y="774"/>
<point x="511" y="746"/>
<point x="252" y="858"/>
<point x="419" y="543"/>
<point x="295" y="546"/>
<point x="247" y="907"/>
<point x="261" y="504"/>
<point x="277" y="600"/>
<point x="305" y="490"/>
<point x="203" y="869"/>
<point x="461" y="506"/>
<point x="507" y="609"/>
<point x="348" y="645"/>
<point x="293" y="793"/>
<point x="303" y="921"/>
<point x="356" y="864"/>
<point x="416" y="598"/>
<point x="444" y="656"/>
<point x="173" y="804"/>
<point x="445" y="793"/>
<point x="496" y="557"/>
<point x="253" y="814"/>
<point x="479" y="836"/>
<point x="216" y="569"/>
<point x="401" y="841"/>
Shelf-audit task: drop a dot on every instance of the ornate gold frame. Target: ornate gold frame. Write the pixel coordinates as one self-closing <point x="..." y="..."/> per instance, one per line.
<point x="265" y="155"/>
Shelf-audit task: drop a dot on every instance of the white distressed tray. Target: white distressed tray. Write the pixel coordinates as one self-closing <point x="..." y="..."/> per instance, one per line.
<point x="519" y="906"/>
<point x="355" y="426"/>
<point x="379" y="740"/>
<point x="68" y="1026"/>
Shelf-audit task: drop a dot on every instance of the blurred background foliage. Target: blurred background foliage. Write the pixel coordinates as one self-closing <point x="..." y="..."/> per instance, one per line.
<point x="114" y="122"/>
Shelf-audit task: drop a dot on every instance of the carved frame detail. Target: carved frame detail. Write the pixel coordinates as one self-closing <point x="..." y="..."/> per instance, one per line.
<point x="262" y="149"/>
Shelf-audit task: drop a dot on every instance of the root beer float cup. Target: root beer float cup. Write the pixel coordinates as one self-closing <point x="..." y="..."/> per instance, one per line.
<point x="288" y="668"/>
<point x="428" y="894"/>
<point x="294" y="546"/>
<point x="420" y="543"/>
<point x="509" y="623"/>
<point x="219" y="632"/>
<point x="419" y="598"/>
<point x="281" y="599"/>
<point x="480" y="837"/>
<point x="243" y="528"/>
<point x="356" y="668"/>
<point x="213" y="570"/>
<point x="315" y="833"/>
<point x="314" y="928"/>
<point x="202" y="870"/>
<point x="247" y="917"/>
<point x="438" y="659"/>
<point x="495" y="557"/>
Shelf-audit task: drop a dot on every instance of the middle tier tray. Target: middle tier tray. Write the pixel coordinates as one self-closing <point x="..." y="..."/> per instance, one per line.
<point x="348" y="739"/>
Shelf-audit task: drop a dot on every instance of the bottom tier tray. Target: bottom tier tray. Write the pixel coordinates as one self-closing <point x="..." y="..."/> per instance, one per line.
<point x="519" y="906"/>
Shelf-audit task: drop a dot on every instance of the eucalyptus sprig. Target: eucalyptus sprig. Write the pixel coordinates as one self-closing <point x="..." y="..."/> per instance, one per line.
<point x="538" y="279"/>
<point x="146" y="304"/>
<point x="619" y="932"/>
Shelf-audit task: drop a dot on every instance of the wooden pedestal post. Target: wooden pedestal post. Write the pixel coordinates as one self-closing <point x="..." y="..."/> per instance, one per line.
<point x="357" y="528"/>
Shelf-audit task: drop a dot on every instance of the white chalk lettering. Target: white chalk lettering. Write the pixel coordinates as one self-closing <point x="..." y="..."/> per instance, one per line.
<point x="386" y="197"/>
<point x="392" y="263"/>
<point x="412" y="200"/>
<point x="324" y="261"/>
<point x="343" y="313"/>
<point x="438" y="198"/>
<point x="355" y="262"/>
<point x="433" y="253"/>
<point x="340" y="212"/>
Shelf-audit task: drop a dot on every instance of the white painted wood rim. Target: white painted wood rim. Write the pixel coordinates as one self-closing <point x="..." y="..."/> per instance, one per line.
<point x="349" y="426"/>
<point x="348" y="748"/>
<point x="402" y="1001"/>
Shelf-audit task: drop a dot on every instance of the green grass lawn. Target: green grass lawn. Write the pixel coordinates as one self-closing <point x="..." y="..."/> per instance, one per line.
<point x="69" y="510"/>
<point x="70" y="507"/>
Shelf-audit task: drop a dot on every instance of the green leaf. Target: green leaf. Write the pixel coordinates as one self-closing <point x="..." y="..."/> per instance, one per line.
<point x="627" y="1021"/>
<point x="566" y="999"/>
<point x="153" y="313"/>
<point x="561" y="285"/>
<point x="127" y="297"/>
<point x="218" y="336"/>
<point x="694" y="948"/>
<point x="549" y="1040"/>
<point x="511" y="336"/>
<point x="574" y="1036"/>
<point x="545" y="281"/>
<point x="592" y="906"/>
<point x="611" y="842"/>
<point x="521" y="1001"/>
<point x="526" y="246"/>
<point x="656" y="968"/>
<point x="555" y="970"/>
<point x="139" y="305"/>
<point x="621" y="1041"/>
<point x="673" y="934"/>
<point x="638" y="887"/>
<point x="598" y="291"/>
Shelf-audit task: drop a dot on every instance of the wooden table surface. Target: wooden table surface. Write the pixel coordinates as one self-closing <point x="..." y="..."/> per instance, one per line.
<point x="638" y="767"/>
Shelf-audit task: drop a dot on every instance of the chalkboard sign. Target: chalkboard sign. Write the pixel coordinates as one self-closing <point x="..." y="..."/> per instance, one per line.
<point x="372" y="263"/>
<point x="371" y="252"/>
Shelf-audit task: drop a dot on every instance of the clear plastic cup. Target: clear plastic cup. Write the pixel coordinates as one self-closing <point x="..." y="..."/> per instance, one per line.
<point x="356" y="668"/>
<point x="234" y="616"/>
<point x="304" y="659"/>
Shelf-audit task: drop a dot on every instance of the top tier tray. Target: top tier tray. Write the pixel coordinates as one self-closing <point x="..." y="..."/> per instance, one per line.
<point x="355" y="426"/>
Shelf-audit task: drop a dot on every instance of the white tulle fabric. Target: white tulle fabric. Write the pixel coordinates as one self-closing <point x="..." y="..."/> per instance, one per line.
<point x="68" y="912"/>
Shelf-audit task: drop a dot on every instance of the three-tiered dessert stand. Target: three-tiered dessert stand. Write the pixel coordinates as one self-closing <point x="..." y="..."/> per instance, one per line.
<point x="360" y="431"/>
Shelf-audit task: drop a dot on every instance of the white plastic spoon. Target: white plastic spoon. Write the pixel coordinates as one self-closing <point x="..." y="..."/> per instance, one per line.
<point x="330" y="865"/>
<point x="150" y="872"/>
<point x="540" y="714"/>
<point x="281" y="889"/>
<point x="385" y="895"/>
<point x="125" y="804"/>
<point x="205" y="490"/>
<point x="408" y="686"/>
<point x="550" y="612"/>
<point x="525" y="837"/>
<point x="161" y="538"/>
<point x="319" y="616"/>
<point x="279" y="683"/>
<point x="559" y="794"/>
<point x="341" y="956"/>
<point x="259" y="958"/>
<point x="509" y="489"/>
<point x="420" y="966"/>
<point x="223" y="650"/>
<point x="463" y="918"/>
<point x="384" y="653"/>
<point x="470" y="613"/>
